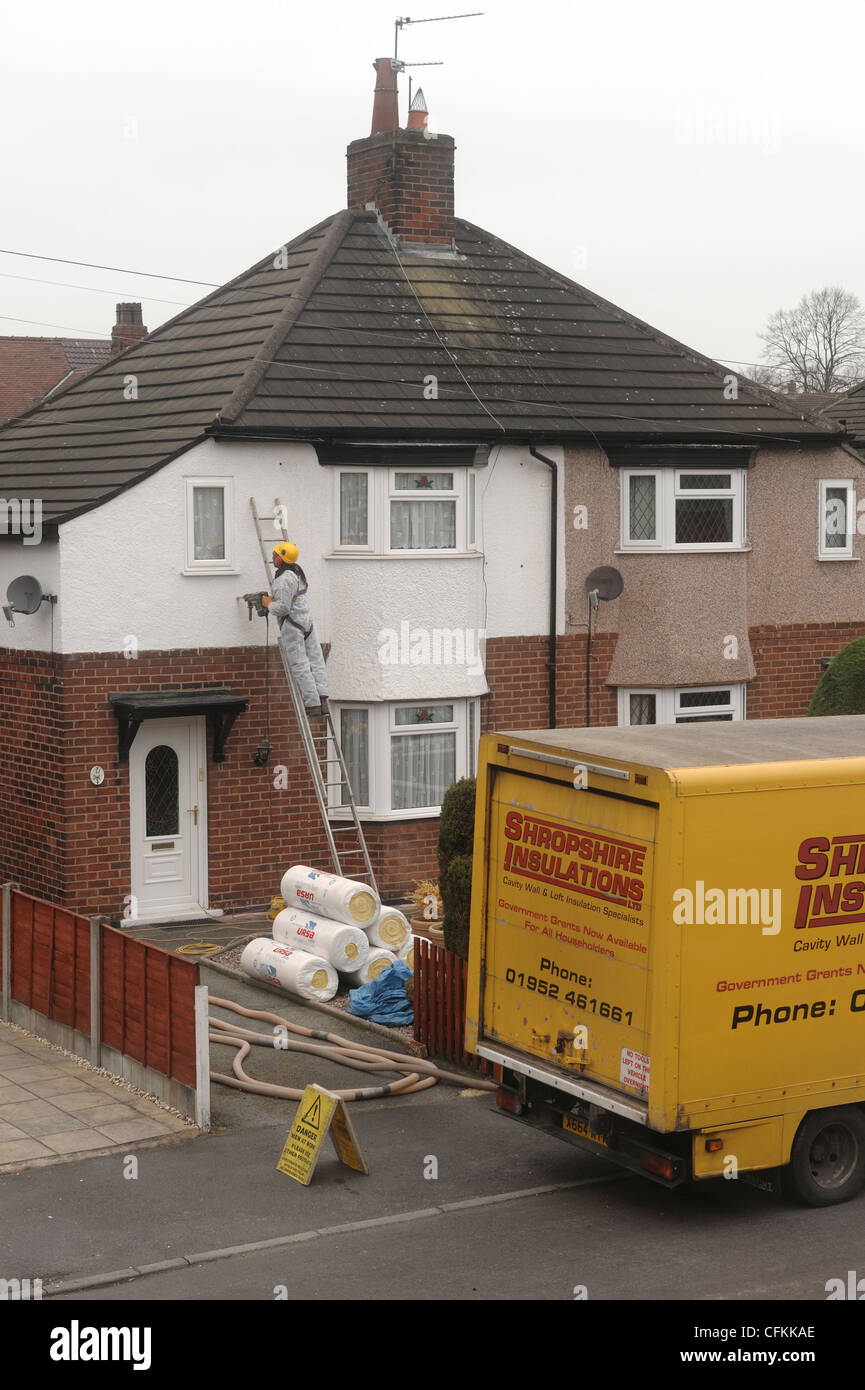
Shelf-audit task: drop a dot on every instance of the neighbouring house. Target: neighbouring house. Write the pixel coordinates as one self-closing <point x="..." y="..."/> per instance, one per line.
<point x="457" y="436"/>
<point x="31" y="369"/>
<point x="848" y="412"/>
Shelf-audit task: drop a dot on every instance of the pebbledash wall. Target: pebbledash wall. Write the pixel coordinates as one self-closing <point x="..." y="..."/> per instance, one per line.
<point x="787" y="608"/>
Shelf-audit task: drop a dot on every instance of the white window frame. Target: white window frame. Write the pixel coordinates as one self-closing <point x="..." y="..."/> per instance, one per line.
<point x="382" y="728"/>
<point x="382" y="490"/>
<point x="668" y="703"/>
<point x="667" y="491"/>
<point x="371" y="509"/>
<point x="837" y="552"/>
<point x="225" y="566"/>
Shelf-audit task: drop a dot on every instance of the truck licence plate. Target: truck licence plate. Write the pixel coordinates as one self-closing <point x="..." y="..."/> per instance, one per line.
<point x="581" y="1127"/>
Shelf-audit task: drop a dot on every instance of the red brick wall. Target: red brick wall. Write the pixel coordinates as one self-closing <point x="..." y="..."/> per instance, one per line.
<point x="788" y="665"/>
<point x="411" y="183"/>
<point x="68" y="841"/>
<point x="518" y="677"/>
<point x="32" y="829"/>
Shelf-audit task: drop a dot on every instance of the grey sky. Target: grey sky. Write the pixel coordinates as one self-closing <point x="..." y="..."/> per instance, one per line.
<point x="699" y="165"/>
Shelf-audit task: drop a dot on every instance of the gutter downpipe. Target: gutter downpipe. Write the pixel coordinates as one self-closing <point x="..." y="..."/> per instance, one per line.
<point x="554" y="549"/>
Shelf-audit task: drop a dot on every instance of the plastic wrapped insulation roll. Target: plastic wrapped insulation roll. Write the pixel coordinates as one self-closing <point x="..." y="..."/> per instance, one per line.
<point x="376" y="963"/>
<point x="390" y="929"/>
<point x="406" y="953"/>
<point x="299" y="973"/>
<point x="327" y="895"/>
<point x="345" y="947"/>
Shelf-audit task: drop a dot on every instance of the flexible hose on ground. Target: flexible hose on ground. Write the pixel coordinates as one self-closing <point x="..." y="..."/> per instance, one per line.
<point x="417" y="1074"/>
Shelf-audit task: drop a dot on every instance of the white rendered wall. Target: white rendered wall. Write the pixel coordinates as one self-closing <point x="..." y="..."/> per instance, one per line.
<point x="120" y="573"/>
<point x="515" y="521"/>
<point x="31" y="633"/>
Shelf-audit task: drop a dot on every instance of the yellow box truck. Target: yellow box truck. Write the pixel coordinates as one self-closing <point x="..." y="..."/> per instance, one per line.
<point x="667" y="955"/>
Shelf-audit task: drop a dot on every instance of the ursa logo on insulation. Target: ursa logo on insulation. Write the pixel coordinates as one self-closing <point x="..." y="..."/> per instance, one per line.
<point x="839" y="901"/>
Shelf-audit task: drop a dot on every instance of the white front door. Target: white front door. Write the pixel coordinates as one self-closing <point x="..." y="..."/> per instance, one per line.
<point x="168" y="802"/>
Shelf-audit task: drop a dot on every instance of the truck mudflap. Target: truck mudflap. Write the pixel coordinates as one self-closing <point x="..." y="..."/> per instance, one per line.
<point x="663" y="1158"/>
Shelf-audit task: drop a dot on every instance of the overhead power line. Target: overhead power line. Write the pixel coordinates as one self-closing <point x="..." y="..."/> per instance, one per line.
<point x="91" y="289"/>
<point x="64" y="328"/>
<point x="118" y="270"/>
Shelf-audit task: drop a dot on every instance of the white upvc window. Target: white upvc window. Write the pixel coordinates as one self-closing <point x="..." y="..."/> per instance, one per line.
<point x="687" y="705"/>
<point x="836" y="519"/>
<point x="407" y="510"/>
<point x="209" y="510"/>
<point x="354" y="528"/>
<point x="402" y="757"/>
<point x="691" y="509"/>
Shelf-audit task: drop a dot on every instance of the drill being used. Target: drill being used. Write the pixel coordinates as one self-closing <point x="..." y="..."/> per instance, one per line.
<point x="254" y="601"/>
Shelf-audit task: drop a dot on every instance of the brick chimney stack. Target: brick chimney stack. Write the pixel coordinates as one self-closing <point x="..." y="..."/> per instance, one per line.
<point x="406" y="174"/>
<point x="128" y="328"/>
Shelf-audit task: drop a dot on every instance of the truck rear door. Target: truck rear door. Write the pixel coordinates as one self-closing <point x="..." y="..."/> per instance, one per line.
<point x="568" y="928"/>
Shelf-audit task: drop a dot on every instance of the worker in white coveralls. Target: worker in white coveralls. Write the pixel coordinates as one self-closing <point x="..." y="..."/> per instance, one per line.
<point x="296" y="633"/>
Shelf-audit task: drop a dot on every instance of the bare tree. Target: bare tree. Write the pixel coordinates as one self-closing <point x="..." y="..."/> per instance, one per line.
<point x="820" y="344"/>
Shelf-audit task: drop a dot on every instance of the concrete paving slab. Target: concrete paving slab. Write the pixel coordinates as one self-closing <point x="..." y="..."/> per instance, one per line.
<point x="54" y="1108"/>
<point x="129" y="1130"/>
<point x="26" y="1071"/>
<point x="22" y="1112"/>
<point x="8" y="1094"/>
<point x="74" y="1141"/>
<point x="8" y="1131"/>
<point x="97" y="1116"/>
<point x="59" y="1086"/>
<point x="19" y="1150"/>
<point x="51" y="1124"/>
<point x="90" y="1098"/>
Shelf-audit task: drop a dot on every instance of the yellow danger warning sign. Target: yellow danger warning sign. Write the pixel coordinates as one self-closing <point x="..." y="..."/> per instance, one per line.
<point x="320" y="1112"/>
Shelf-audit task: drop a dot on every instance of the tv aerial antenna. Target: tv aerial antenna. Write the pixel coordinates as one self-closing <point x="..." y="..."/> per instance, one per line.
<point x="397" y="63"/>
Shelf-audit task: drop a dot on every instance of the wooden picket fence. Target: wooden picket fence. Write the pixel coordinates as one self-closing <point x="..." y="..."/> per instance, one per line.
<point x="440" y="1004"/>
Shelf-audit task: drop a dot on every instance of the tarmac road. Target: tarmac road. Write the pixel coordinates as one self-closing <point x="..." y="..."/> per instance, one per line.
<point x="510" y="1215"/>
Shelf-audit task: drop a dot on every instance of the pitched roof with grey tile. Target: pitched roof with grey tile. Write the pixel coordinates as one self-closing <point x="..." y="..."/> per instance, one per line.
<point x="334" y="337"/>
<point x="849" y="408"/>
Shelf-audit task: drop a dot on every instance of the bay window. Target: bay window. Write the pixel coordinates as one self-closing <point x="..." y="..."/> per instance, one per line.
<point x="402" y="757"/>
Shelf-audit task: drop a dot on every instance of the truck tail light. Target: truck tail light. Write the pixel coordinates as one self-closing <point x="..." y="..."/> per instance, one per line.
<point x="656" y="1163"/>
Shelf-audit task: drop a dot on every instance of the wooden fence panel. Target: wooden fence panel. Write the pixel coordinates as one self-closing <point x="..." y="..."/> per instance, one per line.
<point x="148" y="1004"/>
<point x="440" y="1004"/>
<point x="148" y="995"/>
<point x="50" y="967"/>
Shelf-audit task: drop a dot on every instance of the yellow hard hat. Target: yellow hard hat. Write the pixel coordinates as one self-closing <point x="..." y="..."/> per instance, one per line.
<point x="285" y="553"/>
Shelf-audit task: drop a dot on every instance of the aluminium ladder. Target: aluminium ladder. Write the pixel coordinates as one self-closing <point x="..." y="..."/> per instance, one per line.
<point x="348" y="853"/>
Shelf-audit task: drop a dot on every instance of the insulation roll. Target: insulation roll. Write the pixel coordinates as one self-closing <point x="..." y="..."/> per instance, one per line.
<point x="376" y="962"/>
<point x="406" y="953"/>
<point x="327" y="895"/>
<point x="390" y="929"/>
<point x="306" y="976"/>
<point x="345" y="947"/>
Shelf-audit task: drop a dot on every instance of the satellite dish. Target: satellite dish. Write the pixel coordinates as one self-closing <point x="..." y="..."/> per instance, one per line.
<point x="24" y="594"/>
<point x="606" y="581"/>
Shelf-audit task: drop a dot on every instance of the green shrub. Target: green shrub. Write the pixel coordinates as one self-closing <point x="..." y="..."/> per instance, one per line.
<point x="456" y="836"/>
<point x="841" y="688"/>
<point x="457" y="823"/>
<point x="456" y="889"/>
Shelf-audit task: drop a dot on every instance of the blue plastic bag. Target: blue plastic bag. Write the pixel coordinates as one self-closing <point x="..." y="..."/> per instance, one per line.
<point x="384" y="1000"/>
